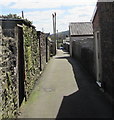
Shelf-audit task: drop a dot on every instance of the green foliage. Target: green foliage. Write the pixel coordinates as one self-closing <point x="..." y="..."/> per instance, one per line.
<point x="10" y="16"/>
<point x="15" y="16"/>
<point x="31" y="57"/>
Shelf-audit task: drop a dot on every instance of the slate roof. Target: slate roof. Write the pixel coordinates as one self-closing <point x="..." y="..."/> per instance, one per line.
<point x="81" y="28"/>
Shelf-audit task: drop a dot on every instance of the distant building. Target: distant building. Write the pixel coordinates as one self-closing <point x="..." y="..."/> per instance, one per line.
<point x="66" y="44"/>
<point x="103" y="28"/>
<point x="80" y="30"/>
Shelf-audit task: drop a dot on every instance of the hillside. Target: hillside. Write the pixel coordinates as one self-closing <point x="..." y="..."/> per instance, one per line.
<point x="61" y="35"/>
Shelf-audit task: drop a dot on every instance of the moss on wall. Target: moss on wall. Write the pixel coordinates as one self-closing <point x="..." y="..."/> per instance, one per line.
<point x="31" y="58"/>
<point x="9" y="65"/>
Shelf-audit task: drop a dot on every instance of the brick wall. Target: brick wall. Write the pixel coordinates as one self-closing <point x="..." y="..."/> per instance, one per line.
<point x="105" y="24"/>
<point x="105" y="14"/>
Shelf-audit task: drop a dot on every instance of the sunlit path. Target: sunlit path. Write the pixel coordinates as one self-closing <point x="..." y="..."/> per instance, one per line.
<point x="57" y="81"/>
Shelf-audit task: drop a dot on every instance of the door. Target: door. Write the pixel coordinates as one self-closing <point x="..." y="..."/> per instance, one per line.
<point x="98" y="57"/>
<point x="21" y="71"/>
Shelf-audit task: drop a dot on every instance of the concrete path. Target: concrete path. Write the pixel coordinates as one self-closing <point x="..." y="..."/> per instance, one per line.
<point x="57" y="81"/>
<point x="66" y="90"/>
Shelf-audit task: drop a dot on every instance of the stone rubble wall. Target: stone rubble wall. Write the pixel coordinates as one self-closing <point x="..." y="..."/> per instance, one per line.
<point x="48" y="50"/>
<point x="42" y="45"/>
<point x="31" y="49"/>
<point x="8" y="77"/>
<point x="9" y="84"/>
<point x="43" y="50"/>
<point x="0" y="73"/>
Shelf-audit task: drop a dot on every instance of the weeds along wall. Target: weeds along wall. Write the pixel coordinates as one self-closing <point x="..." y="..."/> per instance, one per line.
<point x="32" y="63"/>
<point x="19" y="64"/>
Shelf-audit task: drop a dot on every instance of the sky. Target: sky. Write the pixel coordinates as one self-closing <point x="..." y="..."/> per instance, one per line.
<point x="40" y="12"/>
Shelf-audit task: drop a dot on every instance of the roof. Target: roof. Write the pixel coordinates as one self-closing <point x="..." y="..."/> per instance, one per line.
<point x="81" y="28"/>
<point x="96" y="9"/>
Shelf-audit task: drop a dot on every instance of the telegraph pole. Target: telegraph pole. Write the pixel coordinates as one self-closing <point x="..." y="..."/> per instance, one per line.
<point x="57" y="39"/>
<point x="55" y="35"/>
<point x="54" y="31"/>
<point x="53" y="23"/>
<point x="22" y="14"/>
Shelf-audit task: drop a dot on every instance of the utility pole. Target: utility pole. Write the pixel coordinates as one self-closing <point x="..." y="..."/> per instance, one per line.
<point x="54" y="31"/>
<point x="22" y="14"/>
<point x="57" y="39"/>
<point x="53" y="23"/>
<point x="55" y="35"/>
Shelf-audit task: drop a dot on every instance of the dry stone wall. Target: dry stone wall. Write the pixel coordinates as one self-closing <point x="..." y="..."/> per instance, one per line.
<point x="42" y="48"/>
<point x="31" y="49"/>
<point x="0" y="72"/>
<point x="15" y="40"/>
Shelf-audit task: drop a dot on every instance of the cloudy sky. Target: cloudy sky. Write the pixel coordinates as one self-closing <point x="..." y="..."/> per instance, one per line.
<point x="40" y="11"/>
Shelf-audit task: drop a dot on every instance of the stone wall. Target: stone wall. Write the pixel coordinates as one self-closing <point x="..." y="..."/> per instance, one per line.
<point x="31" y="49"/>
<point x="83" y="50"/>
<point x="0" y="72"/>
<point x="48" y="47"/>
<point x="42" y="49"/>
<point x="19" y="42"/>
<point x="8" y="77"/>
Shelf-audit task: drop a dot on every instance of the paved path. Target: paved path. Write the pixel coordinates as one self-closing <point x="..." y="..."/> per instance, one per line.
<point x="66" y="90"/>
<point x="56" y="82"/>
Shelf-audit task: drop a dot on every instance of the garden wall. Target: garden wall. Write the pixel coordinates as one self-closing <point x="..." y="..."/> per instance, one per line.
<point x="19" y="63"/>
<point x="9" y="77"/>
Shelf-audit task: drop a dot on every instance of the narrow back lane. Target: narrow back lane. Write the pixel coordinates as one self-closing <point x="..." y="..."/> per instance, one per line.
<point x="66" y="90"/>
<point x="57" y="81"/>
<point x="89" y="101"/>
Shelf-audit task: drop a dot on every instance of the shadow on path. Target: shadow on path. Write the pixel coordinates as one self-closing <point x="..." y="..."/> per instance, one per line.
<point x="88" y="101"/>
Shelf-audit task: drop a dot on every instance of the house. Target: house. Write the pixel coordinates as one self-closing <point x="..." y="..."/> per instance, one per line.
<point x="78" y="31"/>
<point x="103" y="29"/>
